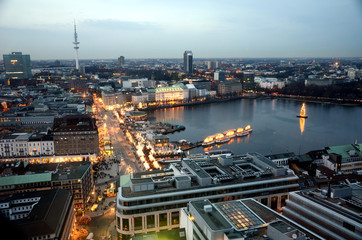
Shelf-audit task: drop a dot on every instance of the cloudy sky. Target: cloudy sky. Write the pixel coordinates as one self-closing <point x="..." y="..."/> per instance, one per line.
<point x="166" y="28"/>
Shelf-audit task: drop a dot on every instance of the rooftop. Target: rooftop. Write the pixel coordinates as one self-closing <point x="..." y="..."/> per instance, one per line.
<point x="209" y="172"/>
<point x="346" y="151"/>
<point x="46" y="216"/>
<point x="28" y="173"/>
<point x="243" y="216"/>
<point x="213" y="218"/>
<point x="342" y="202"/>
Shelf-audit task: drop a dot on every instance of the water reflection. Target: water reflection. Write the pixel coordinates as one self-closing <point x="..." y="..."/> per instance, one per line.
<point x="175" y="114"/>
<point x="301" y="125"/>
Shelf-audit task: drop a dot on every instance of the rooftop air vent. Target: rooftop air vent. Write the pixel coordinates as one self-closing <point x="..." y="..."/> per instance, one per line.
<point x="208" y="208"/>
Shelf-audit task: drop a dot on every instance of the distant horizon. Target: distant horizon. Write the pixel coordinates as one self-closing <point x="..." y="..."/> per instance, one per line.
<point x="157" y="29"/>
<point x="198" y="58"/>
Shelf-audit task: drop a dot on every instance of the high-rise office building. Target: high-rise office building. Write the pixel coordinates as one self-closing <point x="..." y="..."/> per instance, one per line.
<point x="188" y="62"/>
<point x="248" y="82"/>
<point x="17" y="66"/>
<point x="120" y="60"/>
<point x="219" y="75"/>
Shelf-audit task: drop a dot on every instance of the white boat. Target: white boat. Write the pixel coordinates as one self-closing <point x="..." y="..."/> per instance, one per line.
<point x="248" y="129"/>
<point x="240" y="132"/>
<point x="221" y="138"/>
<point x="208" y="141"/>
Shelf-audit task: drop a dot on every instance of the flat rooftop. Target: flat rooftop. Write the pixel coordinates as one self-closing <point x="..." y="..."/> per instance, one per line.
<point x="213" y="218"/>
<point x="350" y="207"/>
<point x="244" y="215"/>
<point x="217" y="172"/>
<point x="45" y="217"/>
<point x="346" y="151"/>
<point x="22" y="172"/>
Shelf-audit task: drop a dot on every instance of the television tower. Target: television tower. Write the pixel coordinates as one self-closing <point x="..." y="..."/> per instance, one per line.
<point x="76" y="46"/>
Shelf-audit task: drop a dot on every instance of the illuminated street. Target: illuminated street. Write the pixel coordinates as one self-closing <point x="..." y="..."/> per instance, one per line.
<point x="103" y="226"/>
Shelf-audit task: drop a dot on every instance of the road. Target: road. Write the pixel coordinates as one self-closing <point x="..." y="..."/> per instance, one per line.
<point x="121" y="148"/>
<point x="103" y="226"/>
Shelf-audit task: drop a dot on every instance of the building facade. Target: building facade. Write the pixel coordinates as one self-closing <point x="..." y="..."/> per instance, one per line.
<point x="333" y="213"/>
<point x="26" y="144"/>
<point x="153" y="200"/>
<point x="188" y="65"/>
<point x="176" y="93"/>
<point x="75" y="134"/>
<point x="248" y="82"/>
<point x="239" y="219"/>
<point x="120" y="60"/>
<point x="229" y="88"/>
<point x="219" y="75"/>
<point x="112" y="99"/>
<point x="39" y="215"/>
<point x="76" y="177"/>
<point x="17" y="66"/>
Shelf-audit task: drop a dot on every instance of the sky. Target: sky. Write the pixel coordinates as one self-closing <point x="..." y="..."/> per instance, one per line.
<point x="108" y="29"/>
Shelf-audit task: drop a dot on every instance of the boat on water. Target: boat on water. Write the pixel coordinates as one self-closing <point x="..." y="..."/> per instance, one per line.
<point x="248" y="129"/>
<point x="302" y="113"/>
<point x="208" y="141"/>
<point x="240" y="132"/>
<point x="230" y="133"/>
<point x="221" y="138"/>
<point x="226" y="136"/>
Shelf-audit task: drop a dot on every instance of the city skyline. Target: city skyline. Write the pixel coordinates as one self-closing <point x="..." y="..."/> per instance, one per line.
<point x="142" y="29"/>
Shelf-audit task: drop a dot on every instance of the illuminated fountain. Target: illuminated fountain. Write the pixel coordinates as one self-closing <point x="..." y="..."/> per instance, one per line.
<point x="302" y="113"/>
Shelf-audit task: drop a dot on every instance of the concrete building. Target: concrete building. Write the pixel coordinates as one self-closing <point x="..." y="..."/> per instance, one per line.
<point x="229" y="88"/>
<point x="269" y="83"/>
<point x="17" y="66"/>
<point x="24" y="177"/>
<point x="151" y="201"/>
<point x="75" y="134"/>
<point x="239" y="219"/>
<point x="176" y="93"/>
<point x="344" y="158"/>
<point x="188" y="65"/>
<point x="219" y="75"/>
<point x="281" y="159"/>
<point x="192" y="91"/>
<point x="139" y="98"/>
<point x="112" y="99"/>
<point x="26" y="144"/>
<point x="138" y="83"/>
<point x="248" y="82"/>
<point x="333" y="213"/>
<point x="38" y="215"/>
<point x="211" y="64"/>
<point x="121" y="61"/>
<point x="51" y="158"/>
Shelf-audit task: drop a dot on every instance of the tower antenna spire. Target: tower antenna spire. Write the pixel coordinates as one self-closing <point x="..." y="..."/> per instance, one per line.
<point x="76" y="46"/>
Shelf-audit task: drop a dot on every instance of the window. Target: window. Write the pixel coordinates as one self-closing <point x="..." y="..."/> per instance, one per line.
<point x="274" y="203"/>
<point x="125" y="224"/>
<point x="118" y="222"/>
<point x="175" y="218"/>
<point x="150" y="221"/>
<point x="138" y="223"/>
<point x="283" y="199"/>
<point x="163" y="219"/>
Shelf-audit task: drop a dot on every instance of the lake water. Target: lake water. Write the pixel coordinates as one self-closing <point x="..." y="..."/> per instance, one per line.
<point x="276" y="129"/>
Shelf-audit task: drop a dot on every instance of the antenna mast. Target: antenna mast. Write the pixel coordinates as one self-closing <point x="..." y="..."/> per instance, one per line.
<point x="76" y="46"/>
